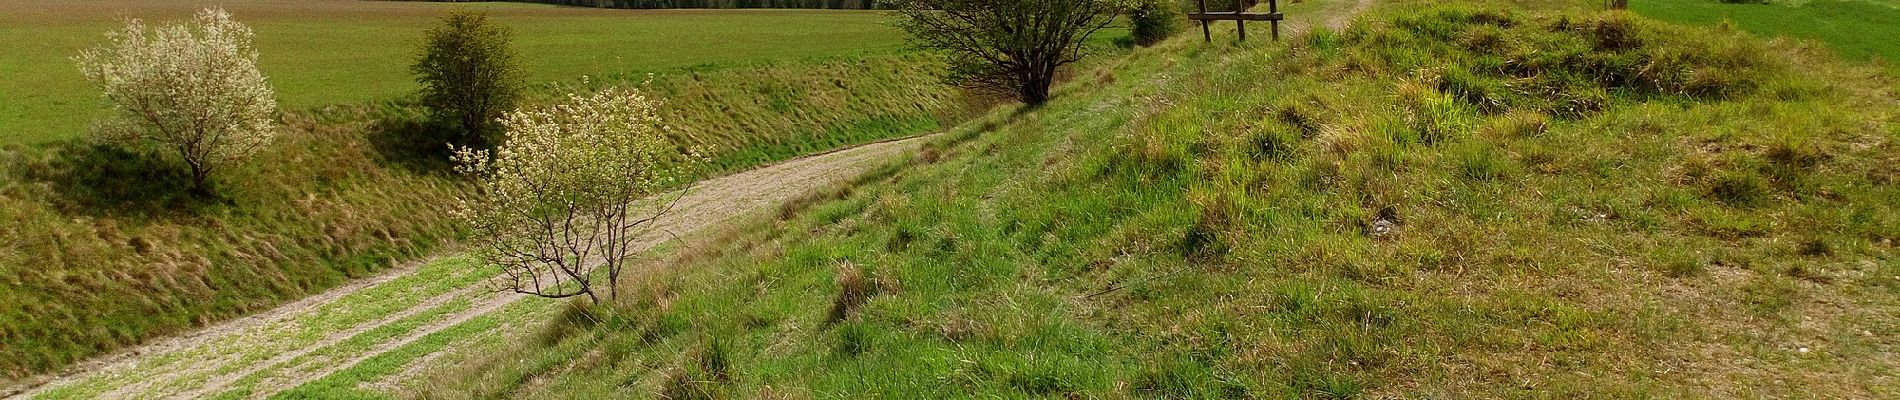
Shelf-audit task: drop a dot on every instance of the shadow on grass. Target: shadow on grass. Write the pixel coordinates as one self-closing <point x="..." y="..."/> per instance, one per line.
<point x="412" y="143"/>
<point x="106" y="180"/>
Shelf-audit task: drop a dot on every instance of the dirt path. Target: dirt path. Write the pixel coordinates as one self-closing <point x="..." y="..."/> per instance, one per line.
<point x="280" y="349"/>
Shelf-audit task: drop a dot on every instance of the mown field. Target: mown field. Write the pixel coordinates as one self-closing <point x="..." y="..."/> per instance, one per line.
<point x="327" y="52"/>
<point x="1857" y="29"/>
<point x="1438" y="202"/>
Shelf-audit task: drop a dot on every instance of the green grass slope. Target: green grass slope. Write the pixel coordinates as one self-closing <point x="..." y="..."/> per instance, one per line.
<point x="1434" y="203"/>
<point x="101" y="250"/>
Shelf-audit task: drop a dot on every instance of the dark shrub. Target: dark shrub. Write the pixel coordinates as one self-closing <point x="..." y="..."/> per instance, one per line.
<point x="469" y="77"/>
<point x="1154" y="21"/>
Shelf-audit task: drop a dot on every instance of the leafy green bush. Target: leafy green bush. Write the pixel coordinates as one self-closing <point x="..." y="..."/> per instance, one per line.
<point x="1153" y="21"/>
<point x="469" y="77"/>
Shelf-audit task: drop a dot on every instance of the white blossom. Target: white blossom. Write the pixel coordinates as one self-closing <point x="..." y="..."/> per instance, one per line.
<point x="192" y="89"/>
<point x="561" y="198"/>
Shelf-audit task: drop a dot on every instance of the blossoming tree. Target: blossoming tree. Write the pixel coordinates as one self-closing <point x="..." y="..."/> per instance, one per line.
<point x="192" y="90"/>
<point x="565" y="198"/>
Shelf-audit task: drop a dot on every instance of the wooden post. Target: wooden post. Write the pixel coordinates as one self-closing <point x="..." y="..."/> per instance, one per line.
<point x="1205" y="34"/>
<point x="1240" y="18"/>
<point x="1239" y="23"/>
<point x="1273" y="7"/>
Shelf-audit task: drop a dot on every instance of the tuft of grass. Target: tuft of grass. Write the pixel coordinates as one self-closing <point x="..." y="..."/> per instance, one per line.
<point x="1679" y="262"/>
<point x="1277" y="145"/>
<point x="855" y="288"/>
<point x="1739" y="188"/>
<point x="1479" y="162"/>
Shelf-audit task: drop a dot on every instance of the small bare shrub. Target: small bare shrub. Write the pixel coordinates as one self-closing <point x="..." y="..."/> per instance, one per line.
<point x="562" y="198"/>
<point x="1009" y="46"/>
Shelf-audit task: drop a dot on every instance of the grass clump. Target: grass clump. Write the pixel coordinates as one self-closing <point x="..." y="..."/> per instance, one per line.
<point x="855" y="288"/>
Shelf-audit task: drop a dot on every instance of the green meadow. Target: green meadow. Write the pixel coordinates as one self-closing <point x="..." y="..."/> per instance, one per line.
<point x="329" y="52"/>
<point x="1856" y="29"/>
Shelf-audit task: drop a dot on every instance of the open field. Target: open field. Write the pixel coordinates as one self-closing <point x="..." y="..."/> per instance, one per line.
<point x="1856" y="29"/>
<point x="325" y="52"/>
<point x="1438" y="202"/>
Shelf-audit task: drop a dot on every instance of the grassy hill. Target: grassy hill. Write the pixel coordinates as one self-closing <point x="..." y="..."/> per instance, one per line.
<point x="103" y="250"/>
<point x="1437" y="202"/>
<point x="327" y="52"/>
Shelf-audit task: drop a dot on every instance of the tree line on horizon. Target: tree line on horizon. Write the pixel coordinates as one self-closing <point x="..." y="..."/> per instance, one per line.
<point x="1212" y="5"/>
<point x="655" y="4"/>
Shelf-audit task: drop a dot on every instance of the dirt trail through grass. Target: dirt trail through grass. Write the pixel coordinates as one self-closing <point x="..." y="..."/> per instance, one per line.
<point x="307" y="340"/>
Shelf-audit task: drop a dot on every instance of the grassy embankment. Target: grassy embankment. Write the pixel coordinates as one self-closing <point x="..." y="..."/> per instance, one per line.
<point x="101" y="251"/>
<point x="1433" y="203"/>
<point x="327" y="52"/>
<point x="1857" y="29"/>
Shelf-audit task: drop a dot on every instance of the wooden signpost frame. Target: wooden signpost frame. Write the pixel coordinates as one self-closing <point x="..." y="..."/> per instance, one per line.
<point x="1240" y="16"/>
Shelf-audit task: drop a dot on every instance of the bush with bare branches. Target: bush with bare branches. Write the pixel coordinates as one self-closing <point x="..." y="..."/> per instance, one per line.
<point x="564" y="200"/>
<point x="1012" y="47"/>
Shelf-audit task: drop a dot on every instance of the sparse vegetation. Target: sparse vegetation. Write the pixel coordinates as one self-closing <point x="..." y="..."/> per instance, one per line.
<point x="1541" y="224"/>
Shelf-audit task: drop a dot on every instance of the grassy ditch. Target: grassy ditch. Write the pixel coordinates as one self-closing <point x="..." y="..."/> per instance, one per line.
<point x="103" y="251"/>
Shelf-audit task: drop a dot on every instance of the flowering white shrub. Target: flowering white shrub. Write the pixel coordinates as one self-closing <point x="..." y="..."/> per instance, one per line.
<point x="192" y="90"/>
<point x="562" y="198"/>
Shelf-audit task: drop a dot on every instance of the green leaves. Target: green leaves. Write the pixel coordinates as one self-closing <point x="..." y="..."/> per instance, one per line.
<point x="469" y="76"/>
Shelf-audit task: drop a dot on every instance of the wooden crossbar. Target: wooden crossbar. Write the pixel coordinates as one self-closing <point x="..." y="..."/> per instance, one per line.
<point x="1223" y="16"/>
<point x="1240" y="16"/>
